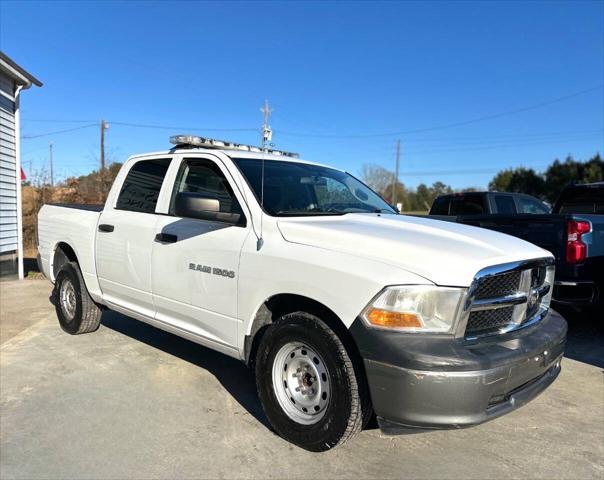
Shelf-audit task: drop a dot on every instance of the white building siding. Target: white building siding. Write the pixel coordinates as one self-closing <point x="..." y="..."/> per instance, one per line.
<point x="8" y="167"/>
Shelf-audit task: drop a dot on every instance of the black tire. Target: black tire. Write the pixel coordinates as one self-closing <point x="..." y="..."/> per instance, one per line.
<point x="86" y="315"/>
<point x="348" y="401"/>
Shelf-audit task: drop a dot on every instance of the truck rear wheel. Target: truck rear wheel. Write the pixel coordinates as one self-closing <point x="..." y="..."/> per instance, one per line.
<point x="76" y="311"/>
<point x="307" y="383"/>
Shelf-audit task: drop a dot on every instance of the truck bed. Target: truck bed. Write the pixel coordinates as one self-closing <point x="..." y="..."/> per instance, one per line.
<point x="80" y="206"/>
<point x="74" y="225"/>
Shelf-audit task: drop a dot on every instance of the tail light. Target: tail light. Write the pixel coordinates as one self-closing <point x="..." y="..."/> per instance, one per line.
<point x="576" y="249"/>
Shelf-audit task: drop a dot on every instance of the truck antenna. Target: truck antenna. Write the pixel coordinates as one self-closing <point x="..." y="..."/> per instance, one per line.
<point x="267" y="133"/>
<point x="267" y="136"/>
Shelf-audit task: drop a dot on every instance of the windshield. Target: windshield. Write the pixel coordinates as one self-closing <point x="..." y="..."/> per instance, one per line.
<point x="293" y="189"/>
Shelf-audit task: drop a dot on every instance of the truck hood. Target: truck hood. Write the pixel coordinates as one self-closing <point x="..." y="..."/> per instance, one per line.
<point x="445" y="253"/>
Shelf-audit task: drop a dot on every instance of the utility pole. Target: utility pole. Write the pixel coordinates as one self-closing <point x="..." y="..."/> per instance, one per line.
<point x="104" y="126"/>
<point x="52" y="179"/>
<point x="267" y="133"/>
<point x="395" y="183"/>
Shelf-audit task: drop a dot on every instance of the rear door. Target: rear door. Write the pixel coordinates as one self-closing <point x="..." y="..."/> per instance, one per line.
<point x="196" y="264"/>
<point x="504" y="204"/>
<point x="125" y="237"/>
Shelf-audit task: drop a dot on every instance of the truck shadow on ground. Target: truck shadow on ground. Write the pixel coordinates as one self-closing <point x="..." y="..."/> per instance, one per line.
<point x="585" y="343"/>
<point x="585" y="339"/>
<point x="232" y="374"/>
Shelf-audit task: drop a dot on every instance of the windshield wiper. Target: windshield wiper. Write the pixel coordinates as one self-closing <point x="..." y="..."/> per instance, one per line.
<point x="309" y="213"/>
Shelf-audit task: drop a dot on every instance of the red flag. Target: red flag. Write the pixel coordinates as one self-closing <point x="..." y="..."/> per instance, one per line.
<point x="23" y="177"/>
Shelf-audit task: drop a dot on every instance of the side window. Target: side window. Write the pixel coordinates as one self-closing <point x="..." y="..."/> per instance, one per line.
<point x="529" y="205"/>
<point x="467" y="205"/>
<point x="440" y="206"/>
<point x="505" y="204"/>
<point x="141" y="187"/>
<point x="205" y="177"/>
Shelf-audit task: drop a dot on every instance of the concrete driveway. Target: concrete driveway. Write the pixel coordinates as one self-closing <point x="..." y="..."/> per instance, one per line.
<point x="130" y="401"/>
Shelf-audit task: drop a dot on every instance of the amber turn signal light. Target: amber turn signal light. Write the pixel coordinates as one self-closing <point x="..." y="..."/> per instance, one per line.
<point x="385" y="318"/>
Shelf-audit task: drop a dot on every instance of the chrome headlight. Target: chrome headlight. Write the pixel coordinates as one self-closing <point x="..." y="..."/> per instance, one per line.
<point x="415" y="308"/>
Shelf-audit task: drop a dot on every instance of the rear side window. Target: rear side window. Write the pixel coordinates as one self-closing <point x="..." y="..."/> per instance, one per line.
<point x="440" y="206"/>
<point x="505" y="204"/>
<point x="467" y="205"/>
<point x="530" y="205"/>
<point x="582" y="200"/>
<point x="142" y="185"/>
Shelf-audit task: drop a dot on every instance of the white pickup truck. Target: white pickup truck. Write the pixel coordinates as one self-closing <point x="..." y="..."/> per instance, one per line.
<point x="343" y="307"/>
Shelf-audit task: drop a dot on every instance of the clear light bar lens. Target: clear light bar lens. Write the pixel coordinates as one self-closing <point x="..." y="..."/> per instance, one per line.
<point x="196" y="141"/>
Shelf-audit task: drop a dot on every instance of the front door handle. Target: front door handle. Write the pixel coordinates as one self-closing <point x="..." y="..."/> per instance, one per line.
<point x="103" y="227"/>
<point x="166" y="238"/>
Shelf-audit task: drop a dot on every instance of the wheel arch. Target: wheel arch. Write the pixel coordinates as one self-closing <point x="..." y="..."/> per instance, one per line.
<point x="63" y="253"/>
<point x="278" y="305"/>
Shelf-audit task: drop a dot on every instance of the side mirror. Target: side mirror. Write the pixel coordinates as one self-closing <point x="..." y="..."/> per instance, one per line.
<point x="203" y="207"/>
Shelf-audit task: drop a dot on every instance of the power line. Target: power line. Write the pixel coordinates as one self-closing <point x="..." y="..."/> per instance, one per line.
<point x="464" y="172"/>
<point x="137" y="125"/>
<point x="168" y="127"/>
<point x="450" y="125"/>
<point x="50" y="120"/>
<point x="483" y="139"/>
<point x="29" y="137"/>
<point x="444" y="149"/>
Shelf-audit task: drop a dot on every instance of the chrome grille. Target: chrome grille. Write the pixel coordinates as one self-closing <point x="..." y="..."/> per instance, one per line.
<point x="485" y="321"/>
<point x="498" y="285"/>
<point x="507" y="297"/>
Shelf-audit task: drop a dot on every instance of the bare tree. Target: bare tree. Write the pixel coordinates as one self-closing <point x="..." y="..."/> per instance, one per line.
<point x="377" y="177"/>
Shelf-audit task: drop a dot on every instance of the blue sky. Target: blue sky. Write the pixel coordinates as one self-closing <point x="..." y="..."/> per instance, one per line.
<point x="369" y="72"/>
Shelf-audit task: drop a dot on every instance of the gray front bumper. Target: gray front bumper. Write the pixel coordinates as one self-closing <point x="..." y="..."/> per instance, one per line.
<point x="466" y="383"/>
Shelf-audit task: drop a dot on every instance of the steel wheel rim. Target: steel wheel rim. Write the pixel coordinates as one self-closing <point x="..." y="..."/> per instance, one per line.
<point x="68" y="299"/>
<point x="301" y="383"/>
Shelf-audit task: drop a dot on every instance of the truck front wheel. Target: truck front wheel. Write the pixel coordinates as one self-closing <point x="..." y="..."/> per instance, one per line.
<point x="307" y="383"/>
<point x="76" y="311"/>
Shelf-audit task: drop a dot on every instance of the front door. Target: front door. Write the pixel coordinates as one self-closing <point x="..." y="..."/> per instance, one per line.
<point x="195" y="263"/>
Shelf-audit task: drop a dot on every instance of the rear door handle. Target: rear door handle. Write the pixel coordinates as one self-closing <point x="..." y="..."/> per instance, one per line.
<point x="166" y="238"/>
<point x="103" y="227"/>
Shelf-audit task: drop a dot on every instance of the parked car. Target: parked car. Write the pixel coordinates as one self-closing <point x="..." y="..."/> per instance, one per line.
<point x="573" y="233"/>
<point x="341" y="306"/>
<point x="482" y="203"/>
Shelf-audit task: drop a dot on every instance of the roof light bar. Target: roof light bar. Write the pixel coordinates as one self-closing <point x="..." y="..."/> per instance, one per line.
<point x="193" y="141"/>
